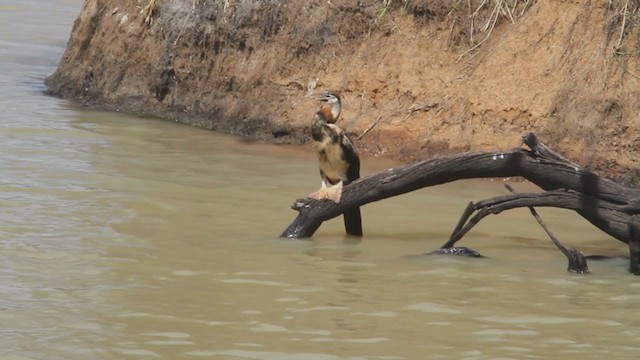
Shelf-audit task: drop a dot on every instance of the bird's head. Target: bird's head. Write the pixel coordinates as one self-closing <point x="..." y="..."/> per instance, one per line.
<point x="332" y="99"/>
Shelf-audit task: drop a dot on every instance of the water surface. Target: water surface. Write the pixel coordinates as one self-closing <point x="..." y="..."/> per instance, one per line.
<point x="131" y="238"/>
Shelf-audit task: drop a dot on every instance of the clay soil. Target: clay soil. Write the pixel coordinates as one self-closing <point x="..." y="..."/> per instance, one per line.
<point x="419" y="78"/>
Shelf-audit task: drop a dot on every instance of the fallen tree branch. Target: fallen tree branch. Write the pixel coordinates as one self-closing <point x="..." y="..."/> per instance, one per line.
<point x="611" y="207"/>
<point x="603" y="204"/>
<point x="564" y="199"/>
<point x="577" y="260"/>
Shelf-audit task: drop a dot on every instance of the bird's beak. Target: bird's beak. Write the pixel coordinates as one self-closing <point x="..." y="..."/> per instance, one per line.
<point x="322" y="97"/>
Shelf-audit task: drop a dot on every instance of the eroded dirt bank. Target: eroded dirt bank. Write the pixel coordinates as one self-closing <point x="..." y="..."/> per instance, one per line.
<point x="566" y="70"/>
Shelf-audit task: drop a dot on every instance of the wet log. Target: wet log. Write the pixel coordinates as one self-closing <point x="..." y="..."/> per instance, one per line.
<point x="606" y="204"/>
<point x="558" y="198"/>
<point x="567" y="199"/>
<point x="611" y="207"/>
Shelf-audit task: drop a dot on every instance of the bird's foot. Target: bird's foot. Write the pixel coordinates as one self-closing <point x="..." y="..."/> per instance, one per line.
<point x="333" y="193"/>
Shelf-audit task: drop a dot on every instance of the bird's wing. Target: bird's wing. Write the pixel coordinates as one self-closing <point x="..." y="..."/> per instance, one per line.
<point x="351" y="157"/>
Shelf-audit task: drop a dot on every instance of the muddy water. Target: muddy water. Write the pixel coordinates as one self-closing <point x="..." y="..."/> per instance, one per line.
<point x="129" y="238"/>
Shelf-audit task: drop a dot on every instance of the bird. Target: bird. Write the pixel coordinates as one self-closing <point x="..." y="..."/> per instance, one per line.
<point x="337" y="156"/>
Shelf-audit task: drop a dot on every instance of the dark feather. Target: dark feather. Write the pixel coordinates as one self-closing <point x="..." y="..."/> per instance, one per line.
<point x="351" y="157"/>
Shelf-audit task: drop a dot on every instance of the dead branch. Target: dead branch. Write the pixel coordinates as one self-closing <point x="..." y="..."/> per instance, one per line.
<point x="421" y="107"/>
<point x="577" y="260"/>
<point x="604" y="212"/>
<point x="611" y="207"/>
<point x="602" y="204"/>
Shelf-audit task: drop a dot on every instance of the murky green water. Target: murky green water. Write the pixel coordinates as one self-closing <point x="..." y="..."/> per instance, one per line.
<point x="129" y="238"/>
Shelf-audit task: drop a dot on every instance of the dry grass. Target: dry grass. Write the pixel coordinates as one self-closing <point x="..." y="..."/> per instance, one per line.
<point x="622" y="31"/>
<point x="623" y="25"/>
<point x="148" y="11"/>
<point x="497" y="9"/>
<point x="472" y="21"/>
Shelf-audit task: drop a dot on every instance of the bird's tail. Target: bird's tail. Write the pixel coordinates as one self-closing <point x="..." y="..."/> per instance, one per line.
<point x="353" y="222"/>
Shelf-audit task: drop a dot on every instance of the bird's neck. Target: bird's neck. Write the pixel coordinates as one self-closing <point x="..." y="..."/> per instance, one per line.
<point x="335" y="110"/>
<point x="319" y="123"/>
<point x="329" y="114"/>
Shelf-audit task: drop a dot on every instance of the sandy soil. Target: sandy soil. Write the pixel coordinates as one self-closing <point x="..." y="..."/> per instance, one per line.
<point x="413" y="86"/>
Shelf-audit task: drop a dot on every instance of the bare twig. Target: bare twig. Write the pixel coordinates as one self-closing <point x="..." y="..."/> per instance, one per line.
<point x="370" y="127"/>
<point x="423" y="107"/>
<point x="624" y="24"/>
<point x="184" y="25"/>
<point x="525" y="7"/>
<point x="453" y="25"/>
<point x="508" y="11"/>
<point x="577" y="260"/>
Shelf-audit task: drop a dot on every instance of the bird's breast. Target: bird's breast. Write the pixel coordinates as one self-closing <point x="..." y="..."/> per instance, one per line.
<point x="332" y="160"/>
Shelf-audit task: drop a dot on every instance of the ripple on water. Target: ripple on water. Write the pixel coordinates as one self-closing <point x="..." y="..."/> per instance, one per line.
<point x="307" y="289"/>
<point x="357" y="340"/>
<point x="514" y="349"/>
<point x="251" y="312"/>
<point x="267" y="355"/>
<point x="263" y="327"/>
<point x="386" y="314"/>
<point x="82" y="325"/>
<point x="248" y="344"/>
<point x="137" y="352"/>
<point x="626" y="298"/>
<point x="433" y="308"/>
<point x="170" y="334"/>
<point x="14" y="357"/>
<point x="268" y="328"/>
<point x="503" y="332"/>
<point x="318" y="308"/>
<point x="186" y="272"/>
<point x="253" y="273"/>
<point x="170" y="342"/>
<point x="560" y="282"/>
<point x="256" y="282"/>
<point x="530" y="319"/>
<point x="366" y="340"/>
<point x="288" y="299"/>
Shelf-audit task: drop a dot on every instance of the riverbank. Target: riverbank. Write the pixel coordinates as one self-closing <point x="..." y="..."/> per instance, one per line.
<point x="419" y="78"/>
